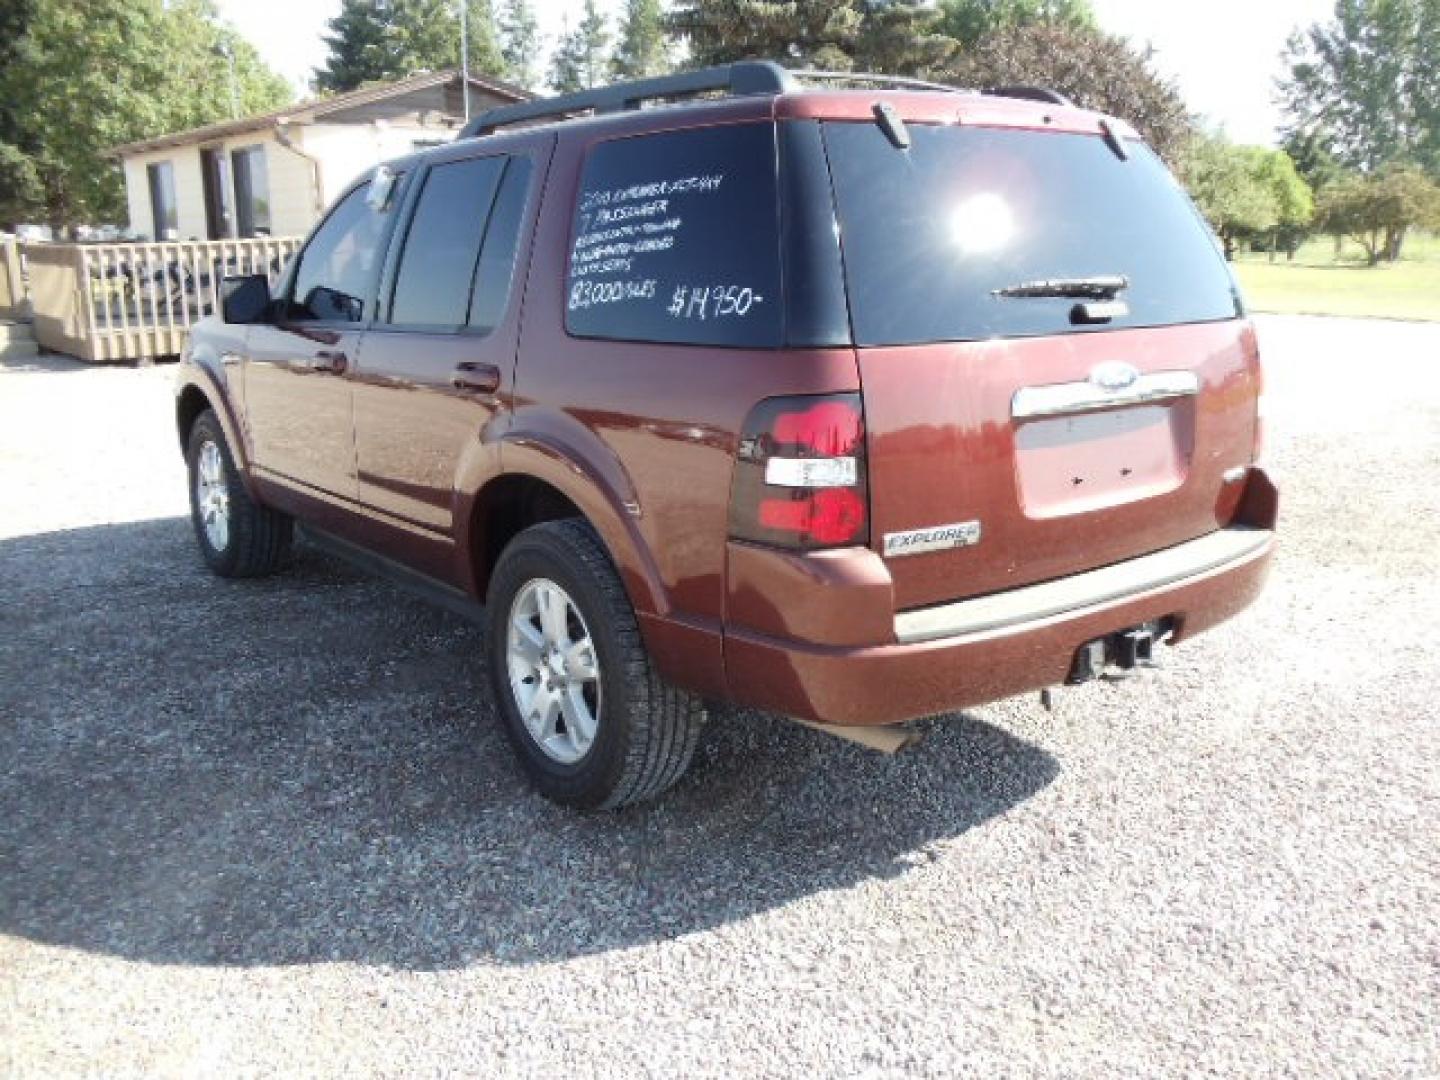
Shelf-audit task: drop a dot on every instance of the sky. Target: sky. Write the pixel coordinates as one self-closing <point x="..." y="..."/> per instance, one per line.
<point x="1224" y="55"/>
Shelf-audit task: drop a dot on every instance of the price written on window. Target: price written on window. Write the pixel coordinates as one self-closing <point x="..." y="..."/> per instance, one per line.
<point x="712" y="301"/>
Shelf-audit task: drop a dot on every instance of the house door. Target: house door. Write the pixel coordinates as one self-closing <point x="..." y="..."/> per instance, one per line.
<point x="215" y="176"/>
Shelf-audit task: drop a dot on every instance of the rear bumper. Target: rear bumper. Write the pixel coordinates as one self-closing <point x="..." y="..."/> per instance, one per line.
<point x="976" y="651"/>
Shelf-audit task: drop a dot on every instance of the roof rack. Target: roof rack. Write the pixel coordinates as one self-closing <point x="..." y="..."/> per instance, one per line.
<point x="1030" y="93"/>
<point x="743" y="77"/>
<point x="740" y="78"/>
<point x="871" y="79"/>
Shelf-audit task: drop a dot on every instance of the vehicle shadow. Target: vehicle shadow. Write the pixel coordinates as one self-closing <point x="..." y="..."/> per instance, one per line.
<point x="308" y="768"/>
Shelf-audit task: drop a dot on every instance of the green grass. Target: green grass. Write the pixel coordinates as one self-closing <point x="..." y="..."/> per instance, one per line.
<point x="1317" y="282"/>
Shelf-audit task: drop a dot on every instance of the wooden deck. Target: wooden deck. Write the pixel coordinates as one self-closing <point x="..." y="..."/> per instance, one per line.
<point x="117" y="302"/>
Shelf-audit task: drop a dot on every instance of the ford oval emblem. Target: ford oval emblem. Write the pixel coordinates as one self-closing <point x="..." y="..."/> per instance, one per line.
<point x="1114" y="376"/>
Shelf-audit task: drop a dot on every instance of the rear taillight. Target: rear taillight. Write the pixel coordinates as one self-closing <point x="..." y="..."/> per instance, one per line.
<point x="800" y="474"/>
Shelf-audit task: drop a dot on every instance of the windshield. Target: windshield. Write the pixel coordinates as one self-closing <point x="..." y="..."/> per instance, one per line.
<point x="948" y="240"/>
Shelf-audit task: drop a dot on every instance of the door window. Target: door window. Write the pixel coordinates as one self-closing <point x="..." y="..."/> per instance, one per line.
<point x="335" y="280"/>
<point x="491" y="294"/>
<point x="437" y="267"/>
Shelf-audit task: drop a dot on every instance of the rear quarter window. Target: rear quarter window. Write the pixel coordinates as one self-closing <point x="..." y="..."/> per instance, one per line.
<point x="675" y="239"/>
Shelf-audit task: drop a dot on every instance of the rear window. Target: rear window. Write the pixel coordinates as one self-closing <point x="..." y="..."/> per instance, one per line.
<point x="931" y="233"/>
<point x="675" y="239"/>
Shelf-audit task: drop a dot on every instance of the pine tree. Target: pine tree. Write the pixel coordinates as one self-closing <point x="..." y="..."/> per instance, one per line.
<point x="901" y="37"/>
<point x="566" y="64"/>
<point x="520" y="43"/>
<point x="360" y="50"/>
<point x="380" y="40"/>
<point x="802" y="33"/>
<point x="581" y="58"/>
<point x="643" y="49"/>
<point x="967" y="21"/>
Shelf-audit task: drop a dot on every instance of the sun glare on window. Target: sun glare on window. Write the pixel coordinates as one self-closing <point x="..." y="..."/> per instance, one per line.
<point x="982" y="223"/>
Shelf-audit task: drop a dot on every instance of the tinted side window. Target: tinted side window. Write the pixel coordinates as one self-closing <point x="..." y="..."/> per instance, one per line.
<point x="437" y="267"/>
<point x="336" y="276"/>
<point x="676" y="239"/>
<point x="497" y="257"/>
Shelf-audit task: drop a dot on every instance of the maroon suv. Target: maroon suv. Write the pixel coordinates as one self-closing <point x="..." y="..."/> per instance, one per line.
<point x="855" y="405"/>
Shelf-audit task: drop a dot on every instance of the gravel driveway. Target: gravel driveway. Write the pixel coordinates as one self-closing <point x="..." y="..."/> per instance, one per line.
<point x="260" y="827"/>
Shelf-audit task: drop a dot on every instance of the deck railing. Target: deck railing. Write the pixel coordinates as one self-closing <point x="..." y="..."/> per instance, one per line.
<point x="13" y="303"/>
<point x="107" y="302"/>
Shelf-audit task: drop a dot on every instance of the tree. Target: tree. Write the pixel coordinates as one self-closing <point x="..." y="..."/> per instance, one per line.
<point x="1293" y="196"/>
<point x="643" y="48"/>
<point x="146" y="68"/>
<point x="1378" y="210"/>
<point x="1095" y="69"/>
<point x="581" y="57"/>
<point x="1310" y="151"/>
<point x="520" y="43"/>
<point x="801" y="33"/>
<point x="967" y="21"/>
<point x="898" y="37"/>
<point x="359" y="44"/>
<point x="1224" y="182"/>
<point x="901" y="37"/>
<point x="383" y="40"/>
<point x="1247" y="191"/>
<point x="1367" y="83"/>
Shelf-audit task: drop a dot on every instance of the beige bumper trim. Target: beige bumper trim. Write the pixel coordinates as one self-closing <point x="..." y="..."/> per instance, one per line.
<point x="1088" y="589"/>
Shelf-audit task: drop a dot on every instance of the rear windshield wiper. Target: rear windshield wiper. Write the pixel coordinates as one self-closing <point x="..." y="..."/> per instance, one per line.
<point x="1101" y="287"/>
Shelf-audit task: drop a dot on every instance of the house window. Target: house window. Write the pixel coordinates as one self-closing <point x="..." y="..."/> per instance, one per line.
<point x="163" y="212"/>
<point x="252" y="190"/>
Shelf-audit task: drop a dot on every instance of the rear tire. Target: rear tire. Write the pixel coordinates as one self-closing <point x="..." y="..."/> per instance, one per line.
<point x="558" y="614"/>
<point x="237" y="536"/>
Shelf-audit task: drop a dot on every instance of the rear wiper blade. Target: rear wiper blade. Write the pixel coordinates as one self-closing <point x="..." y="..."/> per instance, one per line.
<point x="1101" y="287"/>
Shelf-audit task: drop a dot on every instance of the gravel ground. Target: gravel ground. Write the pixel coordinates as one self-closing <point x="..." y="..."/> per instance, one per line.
<point x="268" y="827"/>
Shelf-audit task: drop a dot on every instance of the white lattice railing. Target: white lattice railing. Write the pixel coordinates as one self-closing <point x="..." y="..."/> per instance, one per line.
<point x="137" y="301"/>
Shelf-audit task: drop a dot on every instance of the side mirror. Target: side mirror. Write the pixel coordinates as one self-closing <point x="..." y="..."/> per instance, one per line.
<point x="245" y="299"/>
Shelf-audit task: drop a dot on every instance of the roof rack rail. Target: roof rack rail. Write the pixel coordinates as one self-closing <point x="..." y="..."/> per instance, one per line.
<point x="872" y="79"/>
<point x="743" y="77"/>
<point x="1030" y="93"/>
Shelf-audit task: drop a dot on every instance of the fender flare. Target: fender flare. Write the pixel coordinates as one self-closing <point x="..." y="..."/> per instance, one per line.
<point x="198" y="376"/>
<point x="603" y="494"/>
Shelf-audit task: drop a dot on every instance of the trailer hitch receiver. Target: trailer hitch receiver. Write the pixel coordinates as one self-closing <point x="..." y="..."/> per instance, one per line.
<point x="1119" y="654"/>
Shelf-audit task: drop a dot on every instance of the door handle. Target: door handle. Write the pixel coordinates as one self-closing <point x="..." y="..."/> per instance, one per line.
<point x="330" y="361"/>
<point x="476" y="378"/>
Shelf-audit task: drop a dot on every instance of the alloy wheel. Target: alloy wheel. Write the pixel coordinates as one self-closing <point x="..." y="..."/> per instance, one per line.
<point x="554" y="671"/>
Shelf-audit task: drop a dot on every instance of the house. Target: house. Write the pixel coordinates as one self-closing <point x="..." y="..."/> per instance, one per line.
<point x="273" y="175"/>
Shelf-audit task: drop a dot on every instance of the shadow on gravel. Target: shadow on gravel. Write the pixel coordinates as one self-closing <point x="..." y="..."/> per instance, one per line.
<point x="307" y="769"/>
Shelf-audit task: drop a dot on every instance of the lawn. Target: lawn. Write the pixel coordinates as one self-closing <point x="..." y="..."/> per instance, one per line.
<point x="1319" y="283"/>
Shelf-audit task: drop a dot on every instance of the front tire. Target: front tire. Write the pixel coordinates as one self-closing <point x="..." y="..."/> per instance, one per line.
<point x="237" y="536"/>
<point x="592" y="723"/>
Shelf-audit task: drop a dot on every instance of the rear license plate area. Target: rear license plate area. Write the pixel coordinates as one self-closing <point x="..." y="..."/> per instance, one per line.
<point x="1087" y="461"/>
